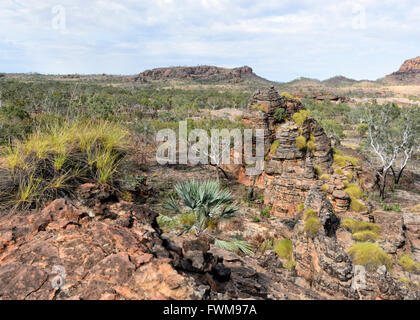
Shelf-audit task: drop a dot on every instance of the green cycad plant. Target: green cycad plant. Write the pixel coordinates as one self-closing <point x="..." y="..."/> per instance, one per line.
<point x="206" y="200"/>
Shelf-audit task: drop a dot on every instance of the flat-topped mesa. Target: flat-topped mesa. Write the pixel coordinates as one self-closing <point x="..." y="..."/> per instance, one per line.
<point x="201" y="73"/>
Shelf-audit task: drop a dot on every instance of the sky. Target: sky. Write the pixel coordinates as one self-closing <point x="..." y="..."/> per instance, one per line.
<point x="280" y="39"/>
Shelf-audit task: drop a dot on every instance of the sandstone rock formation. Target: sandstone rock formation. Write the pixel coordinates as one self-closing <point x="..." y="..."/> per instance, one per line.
<point x="290" y="172"/>
<point x="409" y="73"/>
<point x="103" y="249"/>
<point x="198" y="73"/>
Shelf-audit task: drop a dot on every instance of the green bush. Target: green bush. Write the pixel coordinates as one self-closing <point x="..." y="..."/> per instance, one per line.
<point x="279" y="114"/>
<point x="265" y="213"/>
<point x="369" y="255"/>
<point x="395" y="207"/>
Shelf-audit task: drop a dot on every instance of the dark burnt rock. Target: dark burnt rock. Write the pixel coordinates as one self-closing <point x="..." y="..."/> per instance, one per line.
<point x="221" y="272"/>
<point x="196" y="255"/>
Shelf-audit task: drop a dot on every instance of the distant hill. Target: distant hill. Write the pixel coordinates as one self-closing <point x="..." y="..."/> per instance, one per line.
<point x="304" y="82"/>
<point x="408" y="74"/>
<point x="200" y="74"/>
<point x="339" y="81"/>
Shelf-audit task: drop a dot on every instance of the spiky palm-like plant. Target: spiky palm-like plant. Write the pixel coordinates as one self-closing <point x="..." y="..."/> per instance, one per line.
<point x="206" y="199"/>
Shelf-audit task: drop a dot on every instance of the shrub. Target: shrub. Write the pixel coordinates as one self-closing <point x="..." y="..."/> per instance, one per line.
<point x="349" y="175"/>
<point x="362" y="128"/>
<point x="279" y="114"/>
<point x="408" y="264"/>
<point x="265" y="213"/>
<point x="312" y="225"/>
<point x="324" y="188"/>
<point x="301" y="142"/>
<point x="53" y="161"/>
<point x="300" y="207"/>
<point x="391" y="207"/>
<point x="369" y="255"/>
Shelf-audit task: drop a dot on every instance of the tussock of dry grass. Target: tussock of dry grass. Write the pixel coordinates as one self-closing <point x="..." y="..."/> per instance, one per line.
<point x="51" y="162"/>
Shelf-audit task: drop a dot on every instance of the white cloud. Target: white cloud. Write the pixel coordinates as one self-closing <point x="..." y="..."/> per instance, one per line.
<point x="280" y="40"/>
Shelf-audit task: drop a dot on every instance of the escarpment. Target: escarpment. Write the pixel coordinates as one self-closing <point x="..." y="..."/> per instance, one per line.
<point x="408" y="74"/>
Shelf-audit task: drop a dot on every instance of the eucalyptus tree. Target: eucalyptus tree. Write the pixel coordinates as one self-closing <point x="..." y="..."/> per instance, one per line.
<point x="393" y="135"/>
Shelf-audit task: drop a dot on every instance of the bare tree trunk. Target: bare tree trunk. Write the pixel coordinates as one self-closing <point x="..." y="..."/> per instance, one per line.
<point x="382" y="192"/>
<point x="252" y="188"/>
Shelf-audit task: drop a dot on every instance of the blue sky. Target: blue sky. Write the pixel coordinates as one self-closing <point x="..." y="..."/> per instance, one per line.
<point x="280" y="40"/>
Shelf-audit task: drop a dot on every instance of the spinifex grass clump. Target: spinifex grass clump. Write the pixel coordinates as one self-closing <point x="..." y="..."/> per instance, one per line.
<point x="284" y="249"/>
<point x="301" y="142"/>
<point x="301" y="116"/>
<point x="52" y="162"/>
<point x="355" y="193"/>
<point x="312" y="223"/>
<point x="369" y="255"/>
<point x="362" y="230"/>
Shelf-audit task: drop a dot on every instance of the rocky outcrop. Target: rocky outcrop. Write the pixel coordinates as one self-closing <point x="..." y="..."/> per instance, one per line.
<point x="101" y="249"/>
<point x="409" y="73"/>
<point x="198" y="73"/>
